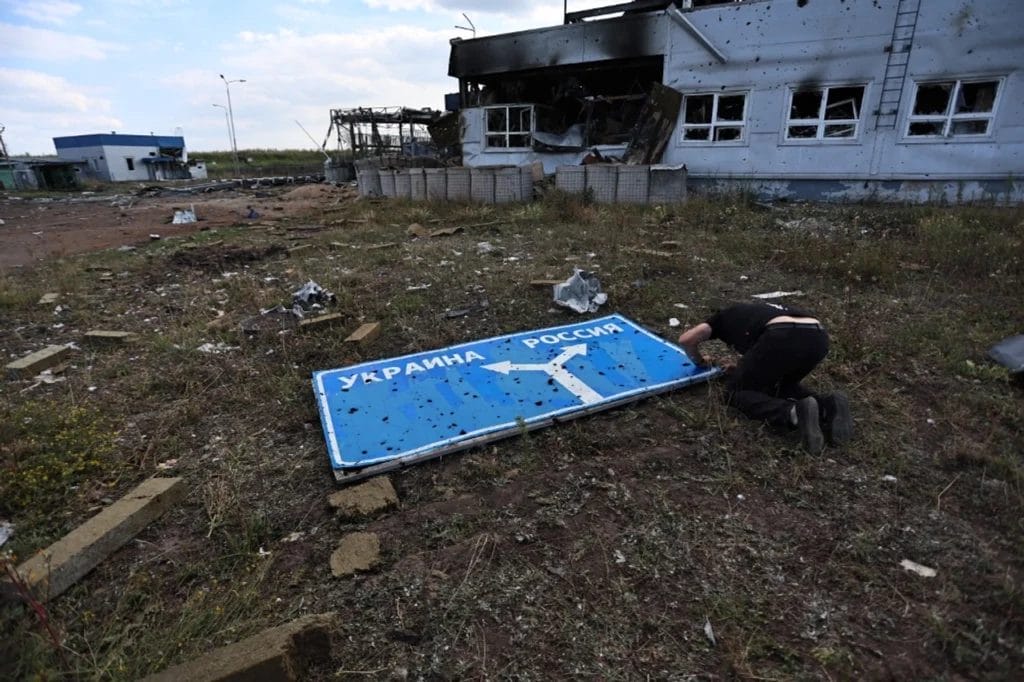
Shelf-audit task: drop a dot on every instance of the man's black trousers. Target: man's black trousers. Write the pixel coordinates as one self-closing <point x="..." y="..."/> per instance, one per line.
<point x="767" y="379"/>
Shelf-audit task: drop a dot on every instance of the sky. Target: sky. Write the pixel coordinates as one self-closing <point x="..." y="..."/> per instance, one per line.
<point x="152" y="66"/>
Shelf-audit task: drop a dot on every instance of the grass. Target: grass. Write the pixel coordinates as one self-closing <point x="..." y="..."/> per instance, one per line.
<point x="598" y="547"/>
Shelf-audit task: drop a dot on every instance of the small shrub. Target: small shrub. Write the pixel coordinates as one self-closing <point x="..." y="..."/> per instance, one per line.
<point x="45" y="448"/>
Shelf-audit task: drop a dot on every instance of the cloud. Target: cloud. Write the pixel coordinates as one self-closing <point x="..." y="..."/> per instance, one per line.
<point x="52" y="12"/>
<point x="484" y="13"/>
<point x="38" y="106"/>
<point x="44" y="44"/>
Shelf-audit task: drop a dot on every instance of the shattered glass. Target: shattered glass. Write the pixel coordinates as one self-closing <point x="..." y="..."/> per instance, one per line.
<point x="932" y="99"/>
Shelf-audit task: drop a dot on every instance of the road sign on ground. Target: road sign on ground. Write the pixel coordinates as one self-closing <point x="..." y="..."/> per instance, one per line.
<point x="385" y="414"/>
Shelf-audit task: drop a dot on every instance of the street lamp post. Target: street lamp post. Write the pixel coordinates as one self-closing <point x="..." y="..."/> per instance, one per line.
<point x="231" y="141"/>
<point x="231" y="120"/>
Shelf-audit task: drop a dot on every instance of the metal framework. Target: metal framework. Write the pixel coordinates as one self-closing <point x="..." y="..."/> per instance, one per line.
<point x="380" y="131"/>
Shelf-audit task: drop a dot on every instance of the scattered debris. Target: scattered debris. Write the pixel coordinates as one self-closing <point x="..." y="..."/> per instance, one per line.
<point x="356" y="552"/>
<point x="709" y="631"/>
<point x="167" y="464"/>
<point x="102" y="338"/>
<point x="321" y="321"/>
<point x="154" y="237"/>
<point x="581" y="292"/>
<point x="48" y="299"/>
<point x="921" y="570"/>
<point x="36" y="362"/>
<point x="673" y="321"/>
<point x="1009" y="353"/>
<point x="385" y="245"/>
<point x="375" y="495"/>
<point x="215" y="348"/>
<point x="252" y="213"/>
<point x="446" y="231"/>
<point x="366" y="333"/>
<point x="416" y="230"/>
<point x="184" y="217"/>
<point x="889" y="478"/>
<point x="418" y="287"/>
<point x="53" y="570"/>
<point x="777" y="294"/>
<point x="6" y="531"/>
<point x="311" y="296"/>
<point x="484" y="248"/>
<point x="544" y="282"/>
<point x="281" y="654"/>
<point x="463" y="312"/>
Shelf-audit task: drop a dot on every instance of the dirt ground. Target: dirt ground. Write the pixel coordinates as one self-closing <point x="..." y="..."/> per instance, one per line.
<point x="667" y="539"/>
<point x="40" y="228"/>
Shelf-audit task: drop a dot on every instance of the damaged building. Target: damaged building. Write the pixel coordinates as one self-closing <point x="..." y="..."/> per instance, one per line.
<point x="907" y="100"/>
<point x="121" y="158"/>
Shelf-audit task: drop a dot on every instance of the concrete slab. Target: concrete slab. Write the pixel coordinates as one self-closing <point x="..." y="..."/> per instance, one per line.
<point x="365" y="499"/>
<point x="280" y="654"/>
<point x="356" y="552"/>
<point x="99" y="337"/>
<point x="34" y="363"/>
<point x="56" y="568"/>
<point x="321" y="322"/>
<point x="366" y="333"/>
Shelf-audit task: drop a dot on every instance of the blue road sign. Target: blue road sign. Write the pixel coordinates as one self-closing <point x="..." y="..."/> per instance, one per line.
<point x="400" y="410"/>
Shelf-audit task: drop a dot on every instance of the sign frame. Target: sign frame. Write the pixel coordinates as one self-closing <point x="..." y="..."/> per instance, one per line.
<point x="350" y="474"/>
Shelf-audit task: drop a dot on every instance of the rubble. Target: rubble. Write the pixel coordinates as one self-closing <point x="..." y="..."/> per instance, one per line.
<point x="581" y="292"/>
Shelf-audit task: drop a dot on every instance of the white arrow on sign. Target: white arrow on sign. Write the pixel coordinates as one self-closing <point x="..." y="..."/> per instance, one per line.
<point x="557" y="371"/>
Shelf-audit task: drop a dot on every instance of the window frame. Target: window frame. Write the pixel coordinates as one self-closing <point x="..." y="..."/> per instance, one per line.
<point x="821" y="123"/>
<point x="714" y="123"/>
<point x="949" y="117"/>
<point x="487" y="133"/>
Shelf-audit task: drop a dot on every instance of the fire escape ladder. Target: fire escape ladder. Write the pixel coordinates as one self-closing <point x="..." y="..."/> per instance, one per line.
<point x="896" y="64"/>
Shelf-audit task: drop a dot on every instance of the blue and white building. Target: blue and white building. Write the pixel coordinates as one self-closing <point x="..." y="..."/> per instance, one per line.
<point x="907" y="100"/>
<point x="111" y="157"/>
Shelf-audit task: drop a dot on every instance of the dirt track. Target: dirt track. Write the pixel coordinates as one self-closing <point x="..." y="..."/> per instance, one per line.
<point x="35" y="229"/>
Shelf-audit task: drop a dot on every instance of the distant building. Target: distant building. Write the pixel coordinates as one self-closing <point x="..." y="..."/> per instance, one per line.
<point x="122" y="158"/>
<point x="39" y="172"/>
<point x="906" y="100"/>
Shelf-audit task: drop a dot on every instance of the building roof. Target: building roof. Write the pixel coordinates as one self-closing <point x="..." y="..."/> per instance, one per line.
<point x="115" y="140"/>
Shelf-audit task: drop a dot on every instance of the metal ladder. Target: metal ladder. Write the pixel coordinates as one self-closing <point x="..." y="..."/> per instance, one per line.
<point x="896" y="65"/>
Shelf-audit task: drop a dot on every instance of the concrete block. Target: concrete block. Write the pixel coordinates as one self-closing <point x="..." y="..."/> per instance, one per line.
<point x="366" y="333"/>
<point x="280" y="654"/>
<point x="368" y="498"/>
<point x="356" y="552"/>
<point x="34" y="363"/>
<point x="52" y="571"/>
<point x="109" y="338"/>
<point x="321" y="321"/>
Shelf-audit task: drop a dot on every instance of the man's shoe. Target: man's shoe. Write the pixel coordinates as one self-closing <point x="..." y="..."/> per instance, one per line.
<point x="810" y="429"/>
<point x="838" y="420"/>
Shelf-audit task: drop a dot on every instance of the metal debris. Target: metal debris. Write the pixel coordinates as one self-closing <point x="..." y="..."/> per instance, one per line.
<point x="185" y="217"/>
<point x="581" y="292"/>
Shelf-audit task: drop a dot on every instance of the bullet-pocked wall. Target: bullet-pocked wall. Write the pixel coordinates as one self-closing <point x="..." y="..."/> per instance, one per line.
<point x="810" y="77"/>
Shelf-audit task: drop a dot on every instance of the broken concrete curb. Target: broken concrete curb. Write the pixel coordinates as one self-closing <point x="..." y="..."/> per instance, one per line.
<point x="365" y="499"/>
<point x="36" y="362"/>
<point x="356" y="552"/>
<point x="279" y="654"/>
<point x="53" y="570"/>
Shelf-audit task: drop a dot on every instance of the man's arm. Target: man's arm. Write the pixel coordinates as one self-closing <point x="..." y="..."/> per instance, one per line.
<point x="691" y="339"/>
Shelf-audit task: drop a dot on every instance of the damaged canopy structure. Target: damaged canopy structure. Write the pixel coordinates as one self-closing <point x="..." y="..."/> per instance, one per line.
<point x="901" y="99"/>
<point x="384" y="131"/>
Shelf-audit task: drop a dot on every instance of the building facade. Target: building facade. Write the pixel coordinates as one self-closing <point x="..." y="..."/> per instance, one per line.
<point x="909" y="100"/>
<point x="121" y="158"/>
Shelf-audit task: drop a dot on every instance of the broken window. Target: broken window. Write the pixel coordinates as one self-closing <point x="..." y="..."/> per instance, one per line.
<point x="718" y="117"/>
<point x="509" y="127"/>
<point x="953" y="108"/>
<point x="824" y="113"/>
